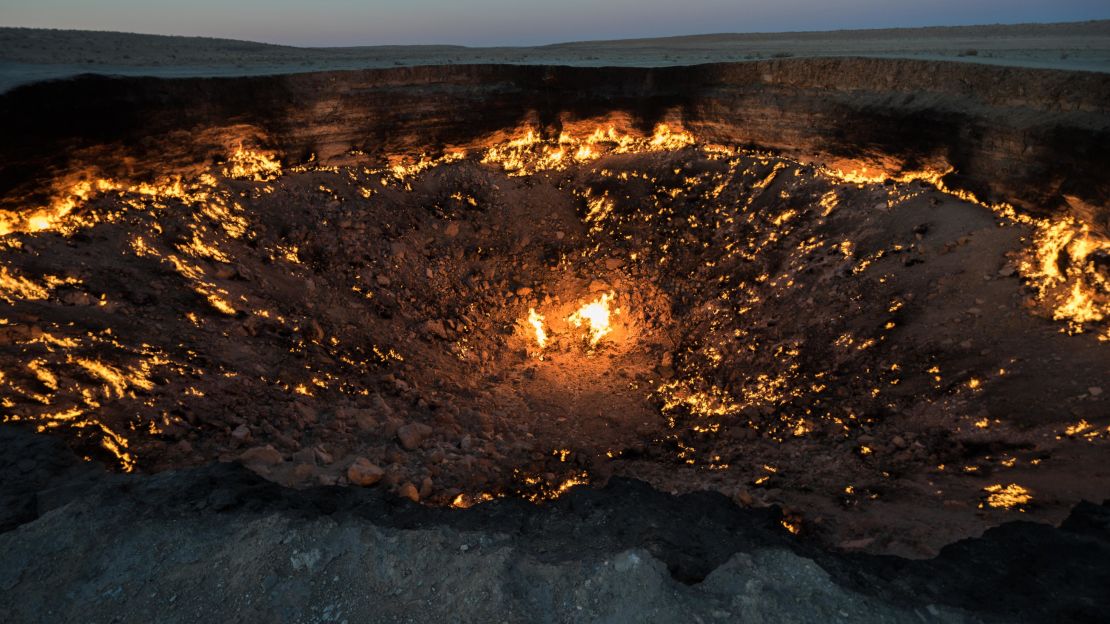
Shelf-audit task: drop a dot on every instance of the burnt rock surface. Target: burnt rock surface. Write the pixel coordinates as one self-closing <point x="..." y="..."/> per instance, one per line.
<point x="221" y="543"/>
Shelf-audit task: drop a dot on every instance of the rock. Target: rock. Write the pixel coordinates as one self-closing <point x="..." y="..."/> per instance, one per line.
<point x="743" y="497"/>
<point x="856" y="544"/>
<point x="383" y="280"/>
<point x="379" y="404"/>
<point x="598" y="286"/>
<point x="12" y="334"/>
<point x="305" y="456"/>
<point x="261" y="456"/>
<point x="614" y="263"/>
<point x="898" y="441"/>
<point x="242" y="433"/>
<point x="224" y="271"/>
<point x="435" y="328"/>
<point x="365" y="420"/>
<point x="452" y="229"/>
<point x="362" y="472"/>
<point x="523" y="291"/>
<point x="304" y="472"/>
<point x="78" y="298"/>
<point x="393" y="477"/>
<point x="412" y="435"/>
<point x="306" y="412"/>
<point x="1095" y="390"/>
<point x="313" y="331"/>
<point x="389" y="427"/>
<point x="425" y="488"/>
<point x="408" y="490"/>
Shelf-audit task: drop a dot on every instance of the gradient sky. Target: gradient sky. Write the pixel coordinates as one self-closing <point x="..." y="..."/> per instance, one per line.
<point x="518" y="22"/>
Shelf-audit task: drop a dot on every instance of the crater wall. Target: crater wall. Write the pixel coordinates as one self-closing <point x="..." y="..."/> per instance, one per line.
<point x="1039" y="139"/>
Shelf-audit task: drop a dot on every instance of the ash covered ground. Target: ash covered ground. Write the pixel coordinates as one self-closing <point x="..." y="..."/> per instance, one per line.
<point x="894" y="365"/>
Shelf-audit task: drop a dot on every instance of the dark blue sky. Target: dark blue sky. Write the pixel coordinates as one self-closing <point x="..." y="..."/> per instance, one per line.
<point x="518" y="22"/>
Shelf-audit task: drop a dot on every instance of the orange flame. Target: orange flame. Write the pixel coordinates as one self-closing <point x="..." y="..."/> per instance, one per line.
<point x="536" y="321"/>
<point x="596" y="314"/>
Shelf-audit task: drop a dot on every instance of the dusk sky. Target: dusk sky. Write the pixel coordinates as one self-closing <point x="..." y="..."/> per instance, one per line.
<point x="518" y="22"/>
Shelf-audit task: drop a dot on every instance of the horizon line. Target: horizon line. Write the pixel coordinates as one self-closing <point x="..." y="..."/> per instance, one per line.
<point x="565" y="42"/>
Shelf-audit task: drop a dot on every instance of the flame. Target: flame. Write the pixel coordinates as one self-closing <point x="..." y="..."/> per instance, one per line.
<point x="536" y="321"/>
<point x="596" y="313"/>
<point x="1062" y="269"/>
<point x="247" y="164"/>
<point x="465" y="501"/>
<point x="1008" y="496"/>
<point x="531" y="152"/>
<point x="665" y="139"/>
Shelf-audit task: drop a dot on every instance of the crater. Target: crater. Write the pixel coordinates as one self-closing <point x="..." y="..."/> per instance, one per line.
<point x="463" y="284"/>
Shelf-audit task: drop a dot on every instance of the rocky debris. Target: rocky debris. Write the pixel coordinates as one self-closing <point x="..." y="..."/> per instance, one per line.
<point x="362" y="472"/>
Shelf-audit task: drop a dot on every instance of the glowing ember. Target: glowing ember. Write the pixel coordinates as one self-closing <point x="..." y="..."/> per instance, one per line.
<point x="536" y="321"/>
<point x="596" y="314"/>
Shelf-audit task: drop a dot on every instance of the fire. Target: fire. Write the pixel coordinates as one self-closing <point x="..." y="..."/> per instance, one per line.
<point x="1063" y="270"/>
<point x="531" y="152"/>
<point x="536" y="321"/>
<point x="1007" y="497"/>
<point x="596" y="314"/>
<point x="248" y="164"/>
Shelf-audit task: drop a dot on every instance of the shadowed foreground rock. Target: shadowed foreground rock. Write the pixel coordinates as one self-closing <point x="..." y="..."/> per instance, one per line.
<point x="221" y="544"/>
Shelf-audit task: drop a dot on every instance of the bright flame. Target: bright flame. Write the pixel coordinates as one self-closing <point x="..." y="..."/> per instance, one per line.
<point x="248" y="164"/>
<point x="536" y="321"/>
<point x="1008" y="496"/>
<point x="596" y="313"/>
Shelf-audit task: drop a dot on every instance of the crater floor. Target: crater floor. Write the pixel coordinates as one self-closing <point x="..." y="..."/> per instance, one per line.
<point x="896" y="366"/>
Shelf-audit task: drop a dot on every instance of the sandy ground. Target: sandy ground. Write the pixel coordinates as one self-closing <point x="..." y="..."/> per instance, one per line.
<point x="27" y="55"/>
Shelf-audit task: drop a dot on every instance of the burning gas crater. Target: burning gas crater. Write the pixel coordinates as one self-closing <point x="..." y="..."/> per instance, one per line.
<point x="552" y="311"/>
